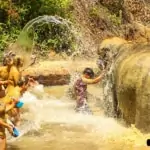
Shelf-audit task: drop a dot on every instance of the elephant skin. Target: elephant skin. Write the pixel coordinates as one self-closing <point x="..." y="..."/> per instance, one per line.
<point x="131" y="80"/>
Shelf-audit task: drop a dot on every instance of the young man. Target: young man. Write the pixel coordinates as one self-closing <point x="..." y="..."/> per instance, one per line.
<point x="80" y="88"/>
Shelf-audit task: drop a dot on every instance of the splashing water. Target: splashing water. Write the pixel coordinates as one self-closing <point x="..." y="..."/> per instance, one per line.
<point x="70" y="91"/>
<point x="81" y="46"/>
<point x="108" y="92"/>
<point x="25" y="43"/>
<point x="42" y="110"/>
<point x="45" y="19"/>
<point x="43" y="113"/>
<point x="31" y="118"/>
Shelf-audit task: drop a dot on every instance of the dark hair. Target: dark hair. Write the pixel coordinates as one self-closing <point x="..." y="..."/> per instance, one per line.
<point x="89" y="72"/>
<point x="20" y="83"/>
<point x="23" y="81"/>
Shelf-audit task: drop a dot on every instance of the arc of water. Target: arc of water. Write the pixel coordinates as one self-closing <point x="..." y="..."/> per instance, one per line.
<point x="45" y="18"/>
<point x="79" y="46"/>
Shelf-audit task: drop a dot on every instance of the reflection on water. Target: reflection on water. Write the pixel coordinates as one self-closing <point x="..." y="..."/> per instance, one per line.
<point x="53" y="124"/>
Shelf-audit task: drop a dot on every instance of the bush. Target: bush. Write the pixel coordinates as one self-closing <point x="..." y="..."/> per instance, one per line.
<point x="16" y="13"/>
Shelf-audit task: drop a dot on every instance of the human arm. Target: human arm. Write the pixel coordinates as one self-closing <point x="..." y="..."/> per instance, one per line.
<point x="32" y="82"/>
<point x="6" y="125"/>
<point x="95" y="80"/>
<point x="2" y="123"/>
<point x="11" y="105"/>
<point x="6" y="82"/>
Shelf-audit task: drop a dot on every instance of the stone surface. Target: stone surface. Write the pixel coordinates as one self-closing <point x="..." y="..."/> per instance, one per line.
<point x="56" y="72"/>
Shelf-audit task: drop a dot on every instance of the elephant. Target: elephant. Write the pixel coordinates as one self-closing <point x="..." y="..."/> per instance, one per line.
<point x="127" y="82"/>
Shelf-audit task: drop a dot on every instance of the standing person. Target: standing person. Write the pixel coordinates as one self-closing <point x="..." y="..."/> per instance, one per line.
<point x="22" y="86"/>
<point x="80" y="88"/>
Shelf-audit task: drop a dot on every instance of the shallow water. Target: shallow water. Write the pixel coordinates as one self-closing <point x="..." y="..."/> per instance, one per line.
<point x="53" y="124"/>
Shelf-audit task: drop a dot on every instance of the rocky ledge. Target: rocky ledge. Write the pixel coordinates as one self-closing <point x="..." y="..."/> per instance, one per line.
<point x="56" y="72"/>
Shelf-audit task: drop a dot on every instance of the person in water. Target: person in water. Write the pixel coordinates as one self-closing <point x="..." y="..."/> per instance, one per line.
<point x="80" y="88"/>
<point x="22" y="87"/>
<point x="4" y="108"/>
<point x="15" y="113"/>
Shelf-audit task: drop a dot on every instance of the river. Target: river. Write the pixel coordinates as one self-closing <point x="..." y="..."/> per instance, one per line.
<point x="51" y="124"/>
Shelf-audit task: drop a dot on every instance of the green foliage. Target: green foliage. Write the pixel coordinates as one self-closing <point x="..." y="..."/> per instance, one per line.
<point x="116" y="20"/>
<point x="98" y="12"/>
<point x="94" y="12"/>
<point x="53" y="37"/>
<point x="114" y="6"/>
<point x="16" y="13"/>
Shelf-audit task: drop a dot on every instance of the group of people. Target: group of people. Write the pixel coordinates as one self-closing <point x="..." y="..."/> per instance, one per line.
<point x="10" y="111"/>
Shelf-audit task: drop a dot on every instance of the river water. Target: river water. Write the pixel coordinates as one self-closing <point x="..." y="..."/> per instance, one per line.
<point x="50" y="123"/>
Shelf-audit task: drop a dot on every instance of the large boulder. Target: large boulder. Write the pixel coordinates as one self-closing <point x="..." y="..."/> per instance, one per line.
<point x="56" y="72"/>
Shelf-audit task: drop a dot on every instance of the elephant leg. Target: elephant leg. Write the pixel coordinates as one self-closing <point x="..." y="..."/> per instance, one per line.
<point x="127" y="105"/>
<point x="142" y="120"/>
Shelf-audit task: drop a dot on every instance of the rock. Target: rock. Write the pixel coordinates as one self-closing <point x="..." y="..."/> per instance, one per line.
<point x="56" y="72"/>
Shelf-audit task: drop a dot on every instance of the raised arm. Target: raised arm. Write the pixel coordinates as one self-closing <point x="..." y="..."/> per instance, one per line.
<point x="6" y="82"/>
<point x="95" y="80"/>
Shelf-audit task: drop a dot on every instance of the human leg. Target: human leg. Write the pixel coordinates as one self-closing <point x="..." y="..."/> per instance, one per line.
<point x="2" y="143"/>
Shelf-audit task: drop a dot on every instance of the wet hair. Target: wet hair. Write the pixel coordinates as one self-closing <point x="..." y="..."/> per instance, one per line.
<point x="89" y="72"/>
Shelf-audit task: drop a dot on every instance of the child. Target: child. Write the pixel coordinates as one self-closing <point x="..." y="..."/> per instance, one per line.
<point x="80" y="88"/>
